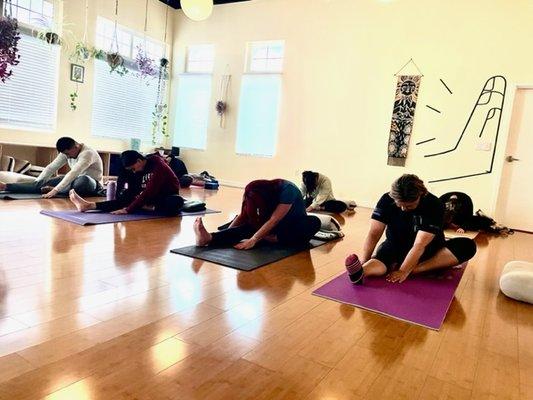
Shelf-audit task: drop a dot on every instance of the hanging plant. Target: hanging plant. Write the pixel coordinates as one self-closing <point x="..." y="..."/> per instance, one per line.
<point x="9" y="38"/>
<point x="160" y="113"/>
<point x="48" y="32"/>
<point x="116" y="63"/>
<point x="146" y="65"/>
<point x="82" y="52"/>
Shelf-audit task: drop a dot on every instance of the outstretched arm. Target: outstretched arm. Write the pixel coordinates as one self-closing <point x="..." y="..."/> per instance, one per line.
<point x="372" y="238"/>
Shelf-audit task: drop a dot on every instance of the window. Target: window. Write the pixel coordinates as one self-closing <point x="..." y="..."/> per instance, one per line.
<point x="265" y="57"/>
<point x="257" y="124"/>
<point x="31" y="12"/>
<point x="194" y="98"/>
<point x="123" y="105"/>
<point x="29" y="98"/>
<point x="200" y="58"/>
<point x="128" y="40"/>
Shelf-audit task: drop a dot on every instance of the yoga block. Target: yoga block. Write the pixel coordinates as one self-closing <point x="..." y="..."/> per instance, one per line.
<point x="516" y="281"/>
<point x="211" y="185"/>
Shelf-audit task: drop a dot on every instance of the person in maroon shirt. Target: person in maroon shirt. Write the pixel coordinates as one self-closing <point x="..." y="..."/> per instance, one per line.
<point x="145" y="183"/>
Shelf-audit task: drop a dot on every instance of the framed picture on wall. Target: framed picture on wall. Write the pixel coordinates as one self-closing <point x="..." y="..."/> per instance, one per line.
<point x="77" y="73"/>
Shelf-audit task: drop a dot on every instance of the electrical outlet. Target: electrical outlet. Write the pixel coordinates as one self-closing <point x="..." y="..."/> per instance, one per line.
<point x="484" y="146"/>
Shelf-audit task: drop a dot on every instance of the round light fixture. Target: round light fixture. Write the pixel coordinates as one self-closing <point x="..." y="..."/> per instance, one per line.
<point x="197" y="10"/>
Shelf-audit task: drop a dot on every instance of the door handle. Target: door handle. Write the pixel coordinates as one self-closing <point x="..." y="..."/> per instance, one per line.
<point x="511" y="159"/>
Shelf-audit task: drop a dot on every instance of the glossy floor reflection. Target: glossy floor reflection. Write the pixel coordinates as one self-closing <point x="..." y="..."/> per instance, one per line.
<point x="106" y="312"/>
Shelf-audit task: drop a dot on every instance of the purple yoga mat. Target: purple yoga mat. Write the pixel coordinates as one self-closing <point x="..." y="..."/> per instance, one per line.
<point x="96" y="218"/>
<point x="423" y="299"/>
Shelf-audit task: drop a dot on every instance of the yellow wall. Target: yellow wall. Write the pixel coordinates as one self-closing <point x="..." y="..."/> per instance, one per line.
<point x="338" y="88"/>
<point x="78" y="123"/>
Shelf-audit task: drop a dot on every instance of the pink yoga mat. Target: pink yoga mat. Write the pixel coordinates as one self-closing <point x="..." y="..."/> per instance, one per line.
<point x="422" y="299"/>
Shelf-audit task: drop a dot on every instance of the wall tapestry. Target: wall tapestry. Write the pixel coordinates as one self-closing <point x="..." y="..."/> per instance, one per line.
<point x="403" y="115"/>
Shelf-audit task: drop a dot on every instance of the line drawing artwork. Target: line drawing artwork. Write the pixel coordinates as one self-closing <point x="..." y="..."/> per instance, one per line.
<point x="425" y="141"/>
<point x="433" y="108"/>
<point x="446" y="86"/>
<point x="488" y="107"/>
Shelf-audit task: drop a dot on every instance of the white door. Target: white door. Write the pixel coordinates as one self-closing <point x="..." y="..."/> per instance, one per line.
<point x="516" y="187"/>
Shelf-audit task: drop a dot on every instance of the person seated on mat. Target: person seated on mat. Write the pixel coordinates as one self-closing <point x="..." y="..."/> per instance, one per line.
<point x="272" y="210"/>
<point x="318" y="194"/>
<point x="85" y="175"/>
<point x="145" y="183"/>
<point x="413" y="219"/>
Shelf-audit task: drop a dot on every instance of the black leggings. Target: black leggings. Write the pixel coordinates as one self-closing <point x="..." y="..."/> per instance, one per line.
<point x="168" y="205"/>
<point x="332" y="206"/>
<point x="290" y="232"/>
<point x="462" y="248"/>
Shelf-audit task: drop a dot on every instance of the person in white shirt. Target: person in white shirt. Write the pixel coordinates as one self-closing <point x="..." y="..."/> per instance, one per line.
<point x="85" y="175"/>
<point x="318" y="194"/>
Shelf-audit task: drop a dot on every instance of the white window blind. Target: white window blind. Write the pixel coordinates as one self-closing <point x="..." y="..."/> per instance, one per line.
<point x="192" y="111"/>
<point x="122" y="105"/>
<point x="257" y="125"/>
<point x="29" y="98"/>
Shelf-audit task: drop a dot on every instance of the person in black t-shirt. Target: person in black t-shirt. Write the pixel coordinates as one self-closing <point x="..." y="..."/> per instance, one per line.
<point x="413" y="219"/>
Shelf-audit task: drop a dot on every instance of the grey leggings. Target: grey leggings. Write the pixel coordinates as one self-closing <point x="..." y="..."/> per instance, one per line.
<point x="84" y="185"/>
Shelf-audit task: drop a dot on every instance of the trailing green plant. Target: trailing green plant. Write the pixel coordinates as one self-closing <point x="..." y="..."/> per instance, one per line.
<point x="159" y="122"/>
<point x="73" y="100"/>
<point x="81" y="54"/>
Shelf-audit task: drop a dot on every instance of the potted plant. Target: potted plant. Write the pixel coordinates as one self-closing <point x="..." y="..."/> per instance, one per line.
<point x="9" y="38"/>
<point x="116" y="63"/>
<point x="48" y="32"/>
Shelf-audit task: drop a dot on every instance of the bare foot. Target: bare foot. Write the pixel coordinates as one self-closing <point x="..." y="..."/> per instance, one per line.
<point x="2" y="186"/>
<point x="81" y="204"/>
<point x="202" y="236"/>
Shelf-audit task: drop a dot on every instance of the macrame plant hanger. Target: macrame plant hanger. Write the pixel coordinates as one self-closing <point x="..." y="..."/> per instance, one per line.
<point x="222" y="103"/>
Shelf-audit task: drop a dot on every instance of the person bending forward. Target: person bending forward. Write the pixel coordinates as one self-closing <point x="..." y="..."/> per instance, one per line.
<point x="413" y="219"/>
<point x="272" y="210"/>
<point x="145" y="183"/>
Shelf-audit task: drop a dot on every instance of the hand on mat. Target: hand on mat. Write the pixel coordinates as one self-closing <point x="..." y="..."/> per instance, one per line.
<point x="119" y="212"/>
<point x="398" y="276"/>
<point x="50" y="194"/>
<point x="246" y="244"/>
<point x="460" y="230"/>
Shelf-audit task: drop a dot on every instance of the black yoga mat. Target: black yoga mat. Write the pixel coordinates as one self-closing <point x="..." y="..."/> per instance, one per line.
<point x="24" y="196"/>
<point x="245" y="260"/>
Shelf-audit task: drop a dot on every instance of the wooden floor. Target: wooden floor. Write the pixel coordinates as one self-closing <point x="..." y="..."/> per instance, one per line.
<point x="106" y="312"/>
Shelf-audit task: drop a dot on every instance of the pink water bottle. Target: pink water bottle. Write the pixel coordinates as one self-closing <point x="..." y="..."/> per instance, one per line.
<point x="111" y="192"/>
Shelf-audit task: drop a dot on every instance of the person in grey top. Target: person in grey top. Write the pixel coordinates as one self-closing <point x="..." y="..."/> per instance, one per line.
<point x="85" y="175"/>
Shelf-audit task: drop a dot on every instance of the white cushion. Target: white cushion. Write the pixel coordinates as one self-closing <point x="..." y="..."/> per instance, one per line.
<point x="516" y="281"/>
<point x="13" y="177"/>
<point x="327" y="222"/>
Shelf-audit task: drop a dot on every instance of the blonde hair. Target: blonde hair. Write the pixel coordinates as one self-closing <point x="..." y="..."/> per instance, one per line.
<point x="407" y="188"/>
